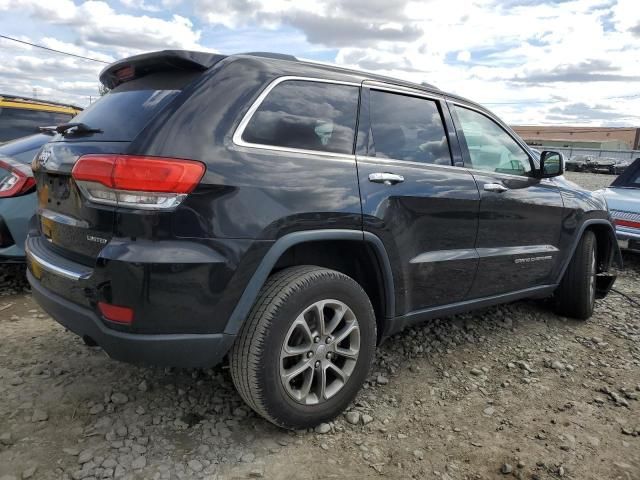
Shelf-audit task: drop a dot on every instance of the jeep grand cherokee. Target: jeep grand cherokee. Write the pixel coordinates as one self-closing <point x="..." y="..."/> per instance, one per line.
<point x="293" y="215"/>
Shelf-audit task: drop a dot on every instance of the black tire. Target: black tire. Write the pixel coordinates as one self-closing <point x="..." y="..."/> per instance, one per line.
<point x="575" y="296"/>
<point x="255" y="356"/>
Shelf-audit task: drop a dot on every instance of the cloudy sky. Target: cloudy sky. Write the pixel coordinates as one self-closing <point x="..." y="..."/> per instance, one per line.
<point x="553" y="62"/>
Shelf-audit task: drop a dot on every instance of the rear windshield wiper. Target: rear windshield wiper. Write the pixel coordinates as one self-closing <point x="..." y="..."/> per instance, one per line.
<point x="71" y="129"/>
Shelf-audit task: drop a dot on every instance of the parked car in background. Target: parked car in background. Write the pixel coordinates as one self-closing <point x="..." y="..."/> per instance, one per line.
<point x="20" y="116"/>
<point x="590" y="163"/>
<point x="623" y="198"/>
<point x="17" y="194"/>
<point x="212" y="205"/>
<point x="621" y="165"/>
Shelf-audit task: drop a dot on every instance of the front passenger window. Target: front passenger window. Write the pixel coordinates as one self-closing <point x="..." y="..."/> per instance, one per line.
<point x="490" y="147"/>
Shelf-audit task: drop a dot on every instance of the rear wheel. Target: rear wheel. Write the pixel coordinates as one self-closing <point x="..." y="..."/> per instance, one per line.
<point x="306" y="348"/>
<point x="575" y="296"/>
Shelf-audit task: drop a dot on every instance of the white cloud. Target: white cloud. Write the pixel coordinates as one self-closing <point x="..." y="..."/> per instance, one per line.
<point x="516" y="55"/>
<point x="463" y="56"/>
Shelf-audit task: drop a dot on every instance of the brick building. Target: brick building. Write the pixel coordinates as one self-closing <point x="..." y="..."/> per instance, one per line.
<point x="604" y="138"/>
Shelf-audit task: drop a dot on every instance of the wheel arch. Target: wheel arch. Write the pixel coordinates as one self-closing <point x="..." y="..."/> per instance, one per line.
<point x="608" y="251"/>
<point x="381" y="290"/>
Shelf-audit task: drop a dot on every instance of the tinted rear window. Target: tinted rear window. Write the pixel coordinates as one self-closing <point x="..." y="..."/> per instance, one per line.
<point x="17" y="122"/>
<point x="408" y="128"/>
<point x="306" y="115"/>
<point x="125" y="111"/>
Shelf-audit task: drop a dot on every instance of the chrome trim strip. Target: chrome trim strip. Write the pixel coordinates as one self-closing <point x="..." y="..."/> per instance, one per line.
<point x="389" y="87"/>
<point x="63" y="219"/>
<point x="520" y="250"/>
<point x="445" y="255"/>
<point x="626" y="233"/>
<point x="237" y="136"/>
<point x="50" y="267"/>
<point x="380" y="160"/>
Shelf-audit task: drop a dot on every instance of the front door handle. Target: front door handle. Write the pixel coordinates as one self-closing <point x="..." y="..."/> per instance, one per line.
<point x="386" y="178"/>
<point x="495" y="187"/>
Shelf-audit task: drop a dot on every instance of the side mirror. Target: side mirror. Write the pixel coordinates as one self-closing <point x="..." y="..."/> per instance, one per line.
<point x="551" y="164"/>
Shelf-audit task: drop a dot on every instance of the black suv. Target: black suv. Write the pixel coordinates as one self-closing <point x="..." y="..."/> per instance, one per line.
<point x="292" y="216"/>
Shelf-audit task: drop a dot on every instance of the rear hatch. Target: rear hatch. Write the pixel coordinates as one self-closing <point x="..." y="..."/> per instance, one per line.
<point x="75" y="226"/>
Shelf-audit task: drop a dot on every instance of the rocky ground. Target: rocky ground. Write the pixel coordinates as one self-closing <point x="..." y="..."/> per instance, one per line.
<point x="512" y="391"/>
<point x="591" y="181"/>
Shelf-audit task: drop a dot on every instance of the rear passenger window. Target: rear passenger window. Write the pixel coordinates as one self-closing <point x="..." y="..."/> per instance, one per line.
<point x="408" y="128"/>
<point x="306" y="115"/>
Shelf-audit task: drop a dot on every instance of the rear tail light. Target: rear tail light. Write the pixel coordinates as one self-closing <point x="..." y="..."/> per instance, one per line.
<point x="15" y="179"/>
<point x="151" y="183"/>
<point x="626" y="223"/>
<point x="116" y="313"/>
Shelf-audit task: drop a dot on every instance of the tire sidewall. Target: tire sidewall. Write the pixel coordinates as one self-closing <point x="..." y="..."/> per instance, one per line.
<point x="276" y="400"/>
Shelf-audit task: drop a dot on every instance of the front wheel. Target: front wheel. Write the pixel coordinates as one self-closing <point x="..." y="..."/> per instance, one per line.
<point x="306" y="348"/>
<point x="575" y="296"/>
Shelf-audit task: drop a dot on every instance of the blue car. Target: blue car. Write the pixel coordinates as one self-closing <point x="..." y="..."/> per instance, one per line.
<point x="17" y="194"/>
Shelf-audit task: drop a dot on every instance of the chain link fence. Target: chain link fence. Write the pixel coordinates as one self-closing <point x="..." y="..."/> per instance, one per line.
<point x="613" y="154"/>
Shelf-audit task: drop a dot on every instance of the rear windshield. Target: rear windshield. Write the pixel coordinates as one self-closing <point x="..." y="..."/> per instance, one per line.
<point x="123" y="112"/>
<point x="18" y="122"/>
<point x="24" y="149"/>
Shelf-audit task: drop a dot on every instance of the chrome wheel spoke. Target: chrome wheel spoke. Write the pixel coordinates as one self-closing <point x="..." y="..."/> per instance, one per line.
<point x="338" y="315"/>
<point x="296" y="370"/>
<point x="303" y="393"/>
<point x="289" y="351"/>
<point x="350" y="354"/>
<point x="322" y="383"/>
<point x="345" y="332"/>
<point x="339" y="372"/>
<point x="302" y="326"/>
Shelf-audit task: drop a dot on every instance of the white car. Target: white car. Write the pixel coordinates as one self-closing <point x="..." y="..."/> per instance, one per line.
<point x="623" y="198"/>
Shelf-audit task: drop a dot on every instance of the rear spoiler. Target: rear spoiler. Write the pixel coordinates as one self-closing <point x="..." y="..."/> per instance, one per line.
<point x="165" y="60"/>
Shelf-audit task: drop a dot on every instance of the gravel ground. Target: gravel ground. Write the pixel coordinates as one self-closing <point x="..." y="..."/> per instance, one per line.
<point x="512" y="391"/>
<point x="591" y="181"/>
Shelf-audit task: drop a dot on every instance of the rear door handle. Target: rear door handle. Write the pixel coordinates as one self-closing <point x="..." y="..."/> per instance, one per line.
<point x="386" y="178"/>
<point x="495" y="187"/>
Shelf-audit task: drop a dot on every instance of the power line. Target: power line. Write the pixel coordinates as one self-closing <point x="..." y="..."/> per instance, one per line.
<point x="53" y="49"/>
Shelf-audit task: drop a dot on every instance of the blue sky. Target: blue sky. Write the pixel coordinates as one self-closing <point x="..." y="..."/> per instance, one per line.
<point x="564" y="62"/>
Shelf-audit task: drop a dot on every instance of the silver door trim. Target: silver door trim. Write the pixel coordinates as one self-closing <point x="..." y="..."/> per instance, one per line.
<point x="237" y="136"/>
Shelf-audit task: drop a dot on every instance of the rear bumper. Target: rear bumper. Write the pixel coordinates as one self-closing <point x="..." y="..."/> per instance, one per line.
<point x="628" y="238"/>
<point x="174" y="350"/>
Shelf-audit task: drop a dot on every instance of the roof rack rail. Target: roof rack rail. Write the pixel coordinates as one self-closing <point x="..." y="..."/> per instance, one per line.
<point x="278" y="56"/>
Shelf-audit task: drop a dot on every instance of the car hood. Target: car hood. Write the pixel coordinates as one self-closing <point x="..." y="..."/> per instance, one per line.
<point x="624" y="199"/>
